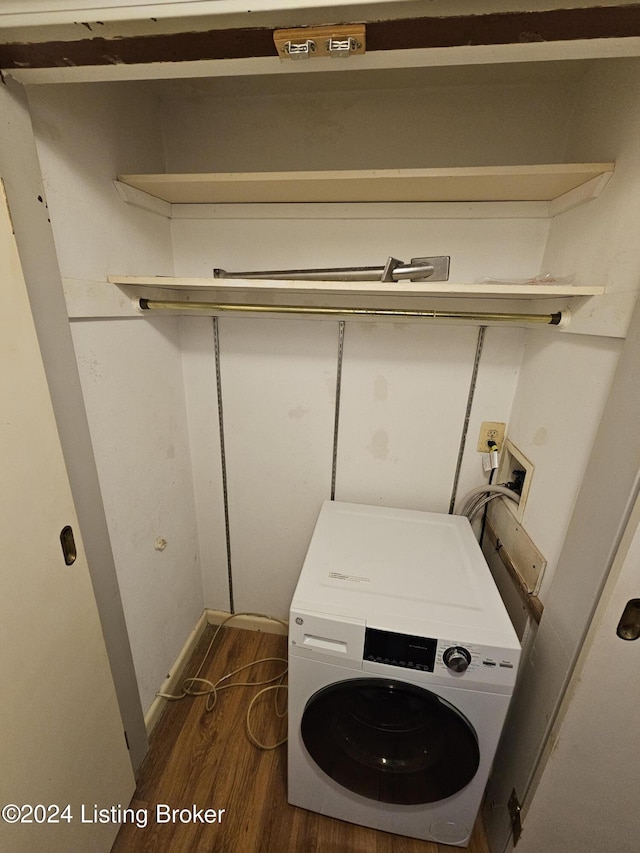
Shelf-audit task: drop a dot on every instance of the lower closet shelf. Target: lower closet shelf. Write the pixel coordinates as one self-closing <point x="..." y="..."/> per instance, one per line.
<point x="445" y="288"/>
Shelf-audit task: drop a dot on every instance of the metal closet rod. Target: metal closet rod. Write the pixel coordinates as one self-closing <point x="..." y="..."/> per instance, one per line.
<point x="557" y="319"/>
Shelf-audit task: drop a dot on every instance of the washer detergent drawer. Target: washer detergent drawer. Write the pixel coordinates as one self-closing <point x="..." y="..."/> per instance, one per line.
<point x="318" y="637"/>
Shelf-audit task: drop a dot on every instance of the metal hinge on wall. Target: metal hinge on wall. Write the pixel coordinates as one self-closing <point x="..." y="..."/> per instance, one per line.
<point x="515" y="810"/>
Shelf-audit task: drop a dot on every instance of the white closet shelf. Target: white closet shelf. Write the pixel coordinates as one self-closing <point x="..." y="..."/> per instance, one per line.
<point x="440" y="288"/>
<point x="481" y="183"/>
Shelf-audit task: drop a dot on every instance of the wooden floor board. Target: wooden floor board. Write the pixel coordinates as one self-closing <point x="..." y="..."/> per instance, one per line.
<point x="205" y="760"/>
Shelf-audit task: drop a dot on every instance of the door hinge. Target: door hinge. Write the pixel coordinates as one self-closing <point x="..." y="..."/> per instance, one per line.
<point x="515" y="810"/>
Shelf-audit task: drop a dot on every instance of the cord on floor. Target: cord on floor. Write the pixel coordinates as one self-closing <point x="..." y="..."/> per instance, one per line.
<point x="196" y="686"/>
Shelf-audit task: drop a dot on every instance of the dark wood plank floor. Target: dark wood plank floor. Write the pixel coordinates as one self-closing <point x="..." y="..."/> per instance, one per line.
<point x="205" y="760"/>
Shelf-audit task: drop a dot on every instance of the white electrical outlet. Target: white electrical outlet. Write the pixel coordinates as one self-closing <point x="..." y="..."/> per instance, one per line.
<point x="490" y="431"/>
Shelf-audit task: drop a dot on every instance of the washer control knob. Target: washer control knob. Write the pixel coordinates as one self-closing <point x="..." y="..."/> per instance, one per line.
<point x="456" y="658"/>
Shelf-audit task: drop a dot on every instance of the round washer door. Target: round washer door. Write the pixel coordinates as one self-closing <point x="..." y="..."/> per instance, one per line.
<point x="390" y="741"/>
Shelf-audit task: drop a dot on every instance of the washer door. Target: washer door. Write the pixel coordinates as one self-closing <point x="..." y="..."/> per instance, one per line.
<point x="390" y="741"/>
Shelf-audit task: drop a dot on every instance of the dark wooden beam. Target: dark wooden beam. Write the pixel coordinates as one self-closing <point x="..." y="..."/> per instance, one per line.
<point x="505" y="28"/>
<point x="557" y="25"/>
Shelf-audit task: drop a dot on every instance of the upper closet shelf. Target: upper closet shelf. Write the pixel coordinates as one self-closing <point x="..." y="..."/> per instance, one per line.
<point x="573" y="182"/>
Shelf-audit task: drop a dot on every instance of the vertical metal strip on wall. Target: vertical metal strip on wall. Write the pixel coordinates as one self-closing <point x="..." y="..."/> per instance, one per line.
<point x="467" y="416"/>
<point x="223" y="458"/>
<point x="336" y="424"/>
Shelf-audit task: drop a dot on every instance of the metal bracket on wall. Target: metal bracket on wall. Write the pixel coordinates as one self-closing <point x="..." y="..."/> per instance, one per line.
<point x="432" y="268"/>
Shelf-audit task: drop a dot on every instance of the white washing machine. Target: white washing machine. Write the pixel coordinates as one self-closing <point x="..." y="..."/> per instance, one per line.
<point x="402" y="662"/>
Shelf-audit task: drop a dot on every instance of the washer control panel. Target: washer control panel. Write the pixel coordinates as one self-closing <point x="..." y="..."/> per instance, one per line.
<point x="429" y="655"/>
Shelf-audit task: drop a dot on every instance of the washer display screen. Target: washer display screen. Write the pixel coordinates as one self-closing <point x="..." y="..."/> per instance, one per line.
<point x="400" y="649"/>
<point x="390" y="741"/>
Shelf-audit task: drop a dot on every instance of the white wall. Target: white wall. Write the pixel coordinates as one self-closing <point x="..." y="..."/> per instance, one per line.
<point x="133" y="386"/>
<point x="404" y="386"/>
<point x="197" y="344"/>
<point x="562" y="389"/>
<point x="403" y="400"/>
<point x="131" y="372"/>
<point x="86" y="135"/>
<point x="598" y="242"/>
<point x="278" y="392"/>
<point x="565" y="379"/>
<point x="479" y="248"/>
<point x="398" y="444"/>
<point x="367" y="120"/>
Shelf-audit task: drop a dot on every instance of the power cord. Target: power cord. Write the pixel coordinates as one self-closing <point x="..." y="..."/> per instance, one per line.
<point x="196" y="686"/>
<point x="493" y="455"/>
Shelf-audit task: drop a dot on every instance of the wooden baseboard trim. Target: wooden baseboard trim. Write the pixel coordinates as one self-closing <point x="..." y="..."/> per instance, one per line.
<point x="172" y="681"/>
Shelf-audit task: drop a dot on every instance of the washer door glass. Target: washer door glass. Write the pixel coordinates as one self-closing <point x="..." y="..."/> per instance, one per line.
<point x="390" y="741"/>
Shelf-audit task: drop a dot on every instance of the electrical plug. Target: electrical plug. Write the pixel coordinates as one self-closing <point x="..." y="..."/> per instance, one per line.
<point x="493" y="454"/>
